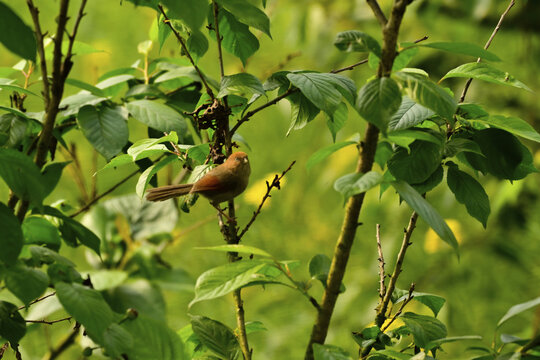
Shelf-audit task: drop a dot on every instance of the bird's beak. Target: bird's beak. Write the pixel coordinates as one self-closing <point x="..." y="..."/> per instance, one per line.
<point x="246" y="160"/>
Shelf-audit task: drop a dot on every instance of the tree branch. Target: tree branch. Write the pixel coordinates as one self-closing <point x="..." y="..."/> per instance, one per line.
<point x="269" y="186"/>
<point x="354" y="205"/>
<point x="486" y="46"/>
<point x="374" y="5"/>
<point x="34" y="12"/>
<point x="215" y="10"/>
<point x="64" y="344"/>
<point x="382" y="275"/>
<point x="48" y="322"/>
<point x="383" y="306"/>
<point x="185" y="49"/>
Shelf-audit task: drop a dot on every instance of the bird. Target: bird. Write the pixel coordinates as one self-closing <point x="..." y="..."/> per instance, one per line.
<point x="222" y="183"/>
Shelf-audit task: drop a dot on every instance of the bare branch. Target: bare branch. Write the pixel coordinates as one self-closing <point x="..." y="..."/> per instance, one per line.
<point x="49" y="322"/>
<point x="410" y="296"/>
<point x="486" y="46"/>
<point x="215" y="10"/>
<point x="269" y="186"/>
<point x="34" y="12"/>
<point x="382" y="275"/>
<point x="383" y="307"/>
<point x="37" y="300"/>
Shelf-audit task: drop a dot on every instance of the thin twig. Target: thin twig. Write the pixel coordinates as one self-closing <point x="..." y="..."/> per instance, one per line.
<point x="296" y="285"/>
<point x="215" y="9"/>
<point x="410" y="296"/>
<point x="67" y="60"/>
<point x="185" y="49"/>
<point x="350" y="67"/>
<point x="382" y="275"/>
<point x="486" y="46"/>
<point x="269" y="186"/>
<point x="64" y="344"/>
<point x="107" y="192"/>
<point x="34" y="12"/>
<point x="383" y="307"/>
<point x="249" y="114"/>
<point x="374" y="5"/>
<point x="37" y="300"/>
<point x="48" y="322"/>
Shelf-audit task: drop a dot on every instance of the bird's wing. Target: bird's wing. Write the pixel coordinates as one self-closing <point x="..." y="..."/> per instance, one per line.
<point x="208" y="182"/>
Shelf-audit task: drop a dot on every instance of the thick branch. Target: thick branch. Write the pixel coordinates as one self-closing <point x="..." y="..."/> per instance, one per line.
<point x="382" y="275"/>
<point x="486" y="46"/>
<point x="354" y="205"/>
<point x="185" y="49"/>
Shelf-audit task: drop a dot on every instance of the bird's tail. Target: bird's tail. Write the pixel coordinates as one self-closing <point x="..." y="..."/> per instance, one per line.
<point x="166" y="192"/>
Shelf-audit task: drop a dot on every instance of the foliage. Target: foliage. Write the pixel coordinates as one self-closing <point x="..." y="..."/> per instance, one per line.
<point x="184" y="117"/>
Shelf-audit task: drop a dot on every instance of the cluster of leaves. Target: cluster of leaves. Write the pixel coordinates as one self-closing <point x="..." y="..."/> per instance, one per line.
<point x="425" y="132"/>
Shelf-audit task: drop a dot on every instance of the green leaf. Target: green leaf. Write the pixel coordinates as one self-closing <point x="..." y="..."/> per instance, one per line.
<point x="406" y="137"/>
<point x="504" y="156"/>
<point x="431" y="182"/>
<point x="248" y="14"/>
<point x="25" y="283"/>
<point x="73" y="103"/>
<point x="22" y="176"/>
<point x="39" y="231"/>
<point x="424" y="328"/>
<point x="302" y="111"/>
<point x="321" y="154"/>
<point x="161" y="343"/>
<point x="85" y="86"/>
<point x="240" y="84"/>
<point x="485" y="72"/>
<point x="237" y="39"/>
<point x="434" y="302"/>
<point x="518" y="309"/>
<point x="319" y="267"/>
<point x="416" y="166"/>
<point x="105" y="128"/>
<point x="217" y="337"/>
<point x="197" y="44"/>
<point x="357" y="183"/>
<point x="391" y="354"/>
<point x="403" y="58"/>
<point x="318" y="88"/>
<point x="436" y="343"/>
<point x="15" y="112"/>
<point x="337" y="120"/>
<point x="191" y="12"/>
<point x="147" y="175"/>
<point x="15" y="127"/>
<point x="12" y="324"/>
<point x="51" y="175"/>
<point x="513" y="125"/>
<point x="16" y="36"/>
<point x="117" y="341"/>
<point x="469" y="192"/>
<point x="426" y="211"/>
<point x="148" y="147"/>
<point x="255" y="326"/>
<point x="76" y="229"/>
<point x="43" y="255"/>
<point x="383" y="153"/>
<point x="18" y="89"/>
<point x="408" y="115"/>
<point x="457" y="145"/>
<point x="113" y="85"/>
<point x="11" y="241"/>
<point x="223" y="279"/>
<point x="329" y="352"/>
<point x="357" y="41"/>
<point x="378" y="100"/>
<point x="87" y="306"/>
<point x="463" y="48"/>
<point x="158" y="116"/>
<point x="139" y="294"/>
<point x="427" y="93"/>
<point x="241" y="249"/>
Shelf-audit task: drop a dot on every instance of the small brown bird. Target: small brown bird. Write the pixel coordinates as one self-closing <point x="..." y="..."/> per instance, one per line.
<point x="222" y="183"/>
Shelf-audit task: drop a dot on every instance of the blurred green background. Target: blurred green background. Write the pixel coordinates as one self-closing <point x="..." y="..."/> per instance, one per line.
<point x="499" y="267"/>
